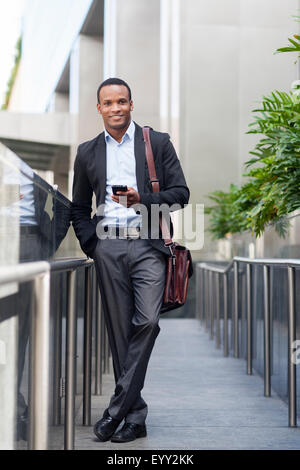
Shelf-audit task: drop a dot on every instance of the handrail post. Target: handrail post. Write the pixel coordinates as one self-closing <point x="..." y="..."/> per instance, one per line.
<point x="202" y="317"/>
<point x="292" y="379"/>
<point x="211" y="306"/>
<point x="39" y="371"/>
<point x="98" y="361"/>
<point x="70" y="363"/>
<point x="206" y="298"/>
<point x="267" y="355"/>
<point x="102" y="342"/>
<point x="87" y="362"/>
<point x="236" y="309"/>
<point x="105" y="349"/>
<point x="200" y="294"/>
<point x="107" y="368"/>
<point x="197" y="292"/>
<point x="225" y="321"/>
<point x="249" y="319"/>
<point x="218" y="338"/>
<point x="58" y="379"/>
<point x="104" y="346"/>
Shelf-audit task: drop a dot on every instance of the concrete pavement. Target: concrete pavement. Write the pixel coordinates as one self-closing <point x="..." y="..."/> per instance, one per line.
<point x="198" y="399"/>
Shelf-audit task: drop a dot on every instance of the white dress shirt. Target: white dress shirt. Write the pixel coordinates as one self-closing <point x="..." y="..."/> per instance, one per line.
<point x="120" y="169"/>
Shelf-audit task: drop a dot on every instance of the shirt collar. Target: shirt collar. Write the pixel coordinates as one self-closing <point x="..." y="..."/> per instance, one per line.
<point x="129" y="134"/>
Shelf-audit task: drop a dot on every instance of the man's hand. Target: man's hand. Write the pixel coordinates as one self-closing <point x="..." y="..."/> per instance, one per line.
<point x="132" y="195"/>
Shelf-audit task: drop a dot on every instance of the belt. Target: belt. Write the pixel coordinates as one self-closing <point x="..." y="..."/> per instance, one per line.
<point x="29" y="229"/>
<point x="121" y="232"/>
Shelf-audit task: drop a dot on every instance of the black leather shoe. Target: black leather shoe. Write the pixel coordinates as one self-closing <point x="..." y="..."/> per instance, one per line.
<point x="130" y="432"/>
<point x="105" y="428"/>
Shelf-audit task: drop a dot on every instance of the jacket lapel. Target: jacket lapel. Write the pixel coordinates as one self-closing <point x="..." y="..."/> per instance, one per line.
<point x="100" y="166"/>
<point x="140" y="157"/>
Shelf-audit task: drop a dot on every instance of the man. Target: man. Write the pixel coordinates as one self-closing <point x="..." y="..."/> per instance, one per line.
<point x="130" y="268"/>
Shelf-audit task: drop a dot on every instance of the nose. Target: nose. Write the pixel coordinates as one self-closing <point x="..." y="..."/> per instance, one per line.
<point x="115" y="107"/>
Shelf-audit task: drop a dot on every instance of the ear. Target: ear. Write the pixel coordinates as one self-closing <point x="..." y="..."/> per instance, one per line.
<point x="99" y="108"/>
<point x="131" y="105"/>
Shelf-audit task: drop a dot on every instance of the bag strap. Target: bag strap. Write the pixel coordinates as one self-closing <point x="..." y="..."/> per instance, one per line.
<point x="155" y="185"/>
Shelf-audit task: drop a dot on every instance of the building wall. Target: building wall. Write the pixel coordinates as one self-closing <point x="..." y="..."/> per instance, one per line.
<point x="227" y="65"/>
<point x="50" y="29"/>
<point x="135" y="25"/>
<point x="196" y="69"/>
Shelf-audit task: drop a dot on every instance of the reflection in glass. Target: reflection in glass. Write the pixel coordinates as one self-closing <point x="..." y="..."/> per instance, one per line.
<point x="34" y="220"/>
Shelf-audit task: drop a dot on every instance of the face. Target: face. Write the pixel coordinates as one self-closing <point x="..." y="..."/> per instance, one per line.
<point x="115" y="106"/>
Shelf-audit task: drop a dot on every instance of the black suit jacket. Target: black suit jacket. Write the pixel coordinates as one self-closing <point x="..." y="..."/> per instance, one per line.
<point x="90" y="176"/>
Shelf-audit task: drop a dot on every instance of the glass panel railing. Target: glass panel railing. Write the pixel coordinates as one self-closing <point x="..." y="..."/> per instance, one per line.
<point x="35" y="218"/>
<point x="34" y="226"/>
<point x="269" y="245"/>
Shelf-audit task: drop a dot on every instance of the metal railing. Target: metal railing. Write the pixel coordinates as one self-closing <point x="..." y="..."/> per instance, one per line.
<point x="209" y="304"/>
<point x="40" y="273"/>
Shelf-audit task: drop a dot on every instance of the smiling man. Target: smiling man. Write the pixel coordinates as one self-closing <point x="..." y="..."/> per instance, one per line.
<point x="130" y="268"/>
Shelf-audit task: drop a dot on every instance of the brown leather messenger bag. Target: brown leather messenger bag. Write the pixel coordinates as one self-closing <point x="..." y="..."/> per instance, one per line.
<point x="179" y="263"/>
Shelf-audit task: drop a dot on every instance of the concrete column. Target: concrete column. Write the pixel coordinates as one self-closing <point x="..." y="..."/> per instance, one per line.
<point x="164" y="74"/>
<point x="86" y="74"/>
<point x="170" y="83"/>
<point x="170" y="68"/>
<point x="135" y="30"/>
<point x="59" y="102"/>
<point x="110" y="38"/>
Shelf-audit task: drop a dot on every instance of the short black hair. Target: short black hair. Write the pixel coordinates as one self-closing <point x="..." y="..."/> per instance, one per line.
<point x="113" y="81"/>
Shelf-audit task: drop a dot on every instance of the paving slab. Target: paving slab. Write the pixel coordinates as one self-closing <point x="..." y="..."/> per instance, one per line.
<point x="198" y="399"/>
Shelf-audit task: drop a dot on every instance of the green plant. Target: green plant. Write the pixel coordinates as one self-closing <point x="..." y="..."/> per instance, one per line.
<point x="228" y="213"/>
<point x="13" y="74"/>
<point x="295" y="42"/>
<point x="295" y="45"/>
<point x="278" y="177"/>
<point x="272" y="189"/>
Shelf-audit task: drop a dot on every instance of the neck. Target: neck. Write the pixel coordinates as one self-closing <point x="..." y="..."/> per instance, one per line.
<point x="117" y="134"/>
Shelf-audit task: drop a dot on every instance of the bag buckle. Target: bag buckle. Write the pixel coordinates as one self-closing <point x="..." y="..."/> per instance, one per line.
<point x="171" y="246"/>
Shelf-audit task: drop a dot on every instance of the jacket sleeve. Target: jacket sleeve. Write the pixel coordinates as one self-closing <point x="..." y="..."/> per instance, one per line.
<point x="82" y="194"/>
<point x="175" y="190"/>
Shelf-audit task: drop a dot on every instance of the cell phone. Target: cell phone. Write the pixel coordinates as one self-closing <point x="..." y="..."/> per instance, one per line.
<point x="119" y="187"/>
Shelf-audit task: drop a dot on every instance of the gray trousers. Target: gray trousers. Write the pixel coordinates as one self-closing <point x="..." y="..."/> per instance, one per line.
<point x="131" y="276"/>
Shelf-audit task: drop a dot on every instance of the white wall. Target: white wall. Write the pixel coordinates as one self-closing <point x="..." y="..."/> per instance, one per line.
<point x="50" y="29"/>
<point x="264" y="26"/>
<point x="137" y="55"/>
